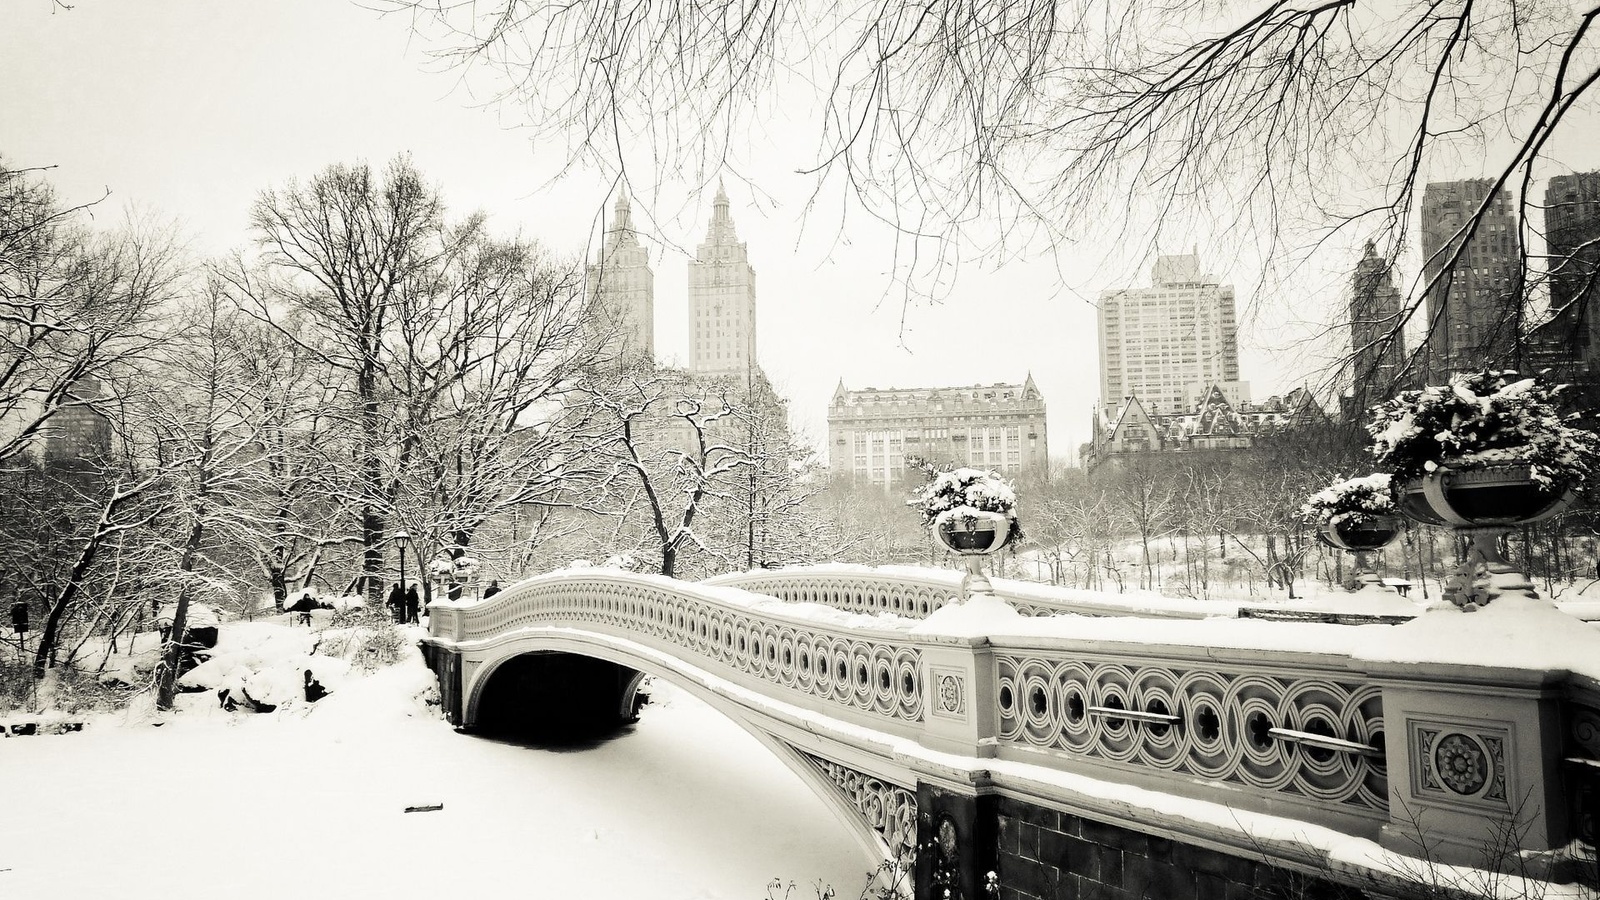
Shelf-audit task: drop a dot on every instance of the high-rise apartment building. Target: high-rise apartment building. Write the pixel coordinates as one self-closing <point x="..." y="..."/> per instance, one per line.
<point x="1377" y="346"/>
<point x="1169" y="343"/>
<point x="77" y="437"/>
<point x="722" y="300"/>
<point x="1570" y="341"/>
<point x="1474" y="273"/>
<point x="625" y="287"/>
<point x="993" y="426"/>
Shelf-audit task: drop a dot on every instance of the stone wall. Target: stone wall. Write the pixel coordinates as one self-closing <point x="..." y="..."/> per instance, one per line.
<point x="1049" y="855"/>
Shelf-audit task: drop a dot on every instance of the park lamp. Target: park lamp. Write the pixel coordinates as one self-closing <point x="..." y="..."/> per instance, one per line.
<point x="402" y="540"/>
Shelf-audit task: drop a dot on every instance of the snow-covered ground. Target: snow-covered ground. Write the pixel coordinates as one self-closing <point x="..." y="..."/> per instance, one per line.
<point x="309" y="802"/>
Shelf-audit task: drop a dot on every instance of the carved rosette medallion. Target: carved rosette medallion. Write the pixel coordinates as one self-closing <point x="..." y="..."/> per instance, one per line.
<point x="949" y="692"/>
<point x="1461" y="764"/>
<point x="889" y="809"/>
<point x="950" y="698"/>
<point x="1458" y="763"/>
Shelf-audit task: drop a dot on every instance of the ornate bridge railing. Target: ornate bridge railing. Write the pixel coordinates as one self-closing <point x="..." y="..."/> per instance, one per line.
<point x="1283" y="719"/>
<point x="917" y="592"/>
<point x="868" y="673"/>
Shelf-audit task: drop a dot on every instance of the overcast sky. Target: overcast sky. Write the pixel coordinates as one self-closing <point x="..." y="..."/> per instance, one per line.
<point x="187" y="108"/>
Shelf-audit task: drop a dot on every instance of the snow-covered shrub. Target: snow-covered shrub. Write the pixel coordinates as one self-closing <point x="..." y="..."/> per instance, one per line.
<point x="1354" y="501"/>
<point x="368" y="647"/>
<point x="1482" y="419"/>
<point x="959" y="493"/>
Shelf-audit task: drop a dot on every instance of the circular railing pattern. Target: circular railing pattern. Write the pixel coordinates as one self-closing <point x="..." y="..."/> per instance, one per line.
<point x="905" y="593"/>
<point x="906" y="596"/>
<point x="863" y="671"/>
<point x="1314" y="736"/>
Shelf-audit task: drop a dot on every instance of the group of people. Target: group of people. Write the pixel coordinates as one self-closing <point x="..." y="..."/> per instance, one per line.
<point x="405" y="605"/>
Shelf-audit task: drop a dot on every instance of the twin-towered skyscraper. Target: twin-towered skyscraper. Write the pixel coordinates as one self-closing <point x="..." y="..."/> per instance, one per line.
<point x="722" y="294"/>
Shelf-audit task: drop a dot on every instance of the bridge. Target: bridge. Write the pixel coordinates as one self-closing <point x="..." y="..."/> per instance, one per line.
<point x="1079" y="744"/>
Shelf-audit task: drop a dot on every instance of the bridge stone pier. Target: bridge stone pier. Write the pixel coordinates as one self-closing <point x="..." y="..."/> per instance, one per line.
<point x="1091" y="749"/>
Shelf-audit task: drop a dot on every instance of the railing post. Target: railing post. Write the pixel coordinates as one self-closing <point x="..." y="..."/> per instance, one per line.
<point x="958" y="677"/>
<point x="1474" y="765"/>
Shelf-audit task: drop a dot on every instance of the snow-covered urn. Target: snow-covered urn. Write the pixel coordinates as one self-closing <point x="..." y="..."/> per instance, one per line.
<point x="1357" y="515"/>
<point x="1484" y="454"/>
<point x="972" y="513"/>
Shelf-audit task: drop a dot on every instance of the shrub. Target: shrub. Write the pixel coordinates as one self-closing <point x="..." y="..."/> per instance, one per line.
<point x="1479" y="420"/>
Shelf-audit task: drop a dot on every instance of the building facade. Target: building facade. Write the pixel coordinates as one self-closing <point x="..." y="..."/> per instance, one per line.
<point x="722" y="300"/>
<point x="77" y="437"/>
<point x="1377" y="341"/>
<point x="624" y="288"/>
<point x="1214" y="423"/>
<point x="994" y="426"/>
<point x="1474" y="277"/>
<point x="1169" y="343"/>
<point x="1569" y="342"/>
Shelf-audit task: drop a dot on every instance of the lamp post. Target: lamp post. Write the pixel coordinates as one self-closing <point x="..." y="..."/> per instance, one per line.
<point x="401" y="539"/>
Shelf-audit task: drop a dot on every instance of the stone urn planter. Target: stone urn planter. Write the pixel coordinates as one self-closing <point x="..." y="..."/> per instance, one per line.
<point x="1487" y="453"/>
<point x="1356" y="515"/>
<point x="1498" y="497"/>
<point x="1361" y="539"/>
<point x="974" y="535"/>
<point x="1483" y="505"/>
<point x="971" y="513"/>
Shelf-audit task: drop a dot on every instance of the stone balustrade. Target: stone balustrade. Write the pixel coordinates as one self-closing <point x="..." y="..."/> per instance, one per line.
<point x="1282" y="719"/>
<point x="917" y="592"/>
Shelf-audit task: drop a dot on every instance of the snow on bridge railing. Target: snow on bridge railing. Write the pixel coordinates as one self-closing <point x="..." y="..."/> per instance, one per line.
<point x="1451" y="712"/>
<point x="917" y="592"/>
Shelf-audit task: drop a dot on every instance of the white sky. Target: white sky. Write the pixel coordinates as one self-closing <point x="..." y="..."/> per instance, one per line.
<point x="188" y="108"/>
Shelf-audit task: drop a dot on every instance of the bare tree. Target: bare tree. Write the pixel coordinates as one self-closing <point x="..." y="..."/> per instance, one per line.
<point x="198" y="429"/>
<point x="486" y="370"/>
<point x="354" y="267"/>
<point x="1280" y="119"/>
<point x="665" y="456"/>
<point x="75" y="306"/>
<point x="1144" y="498"/>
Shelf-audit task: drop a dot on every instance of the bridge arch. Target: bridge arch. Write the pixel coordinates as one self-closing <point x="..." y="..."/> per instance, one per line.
<point x="880" y="832"/>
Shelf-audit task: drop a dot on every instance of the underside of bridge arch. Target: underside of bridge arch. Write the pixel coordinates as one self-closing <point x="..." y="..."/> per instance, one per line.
<point x="556" y="696"/>
<point x="527" y="680"/>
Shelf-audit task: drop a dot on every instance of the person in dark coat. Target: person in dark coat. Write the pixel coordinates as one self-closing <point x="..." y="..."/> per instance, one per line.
<point x="303" y="608"/>
<point x="396" y="604"/>
<point x="491" y="590"/>
<point x="413" y="604"/>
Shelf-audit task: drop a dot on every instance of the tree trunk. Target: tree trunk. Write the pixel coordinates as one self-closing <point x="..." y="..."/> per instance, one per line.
<point x="372" y="522"/>
<point x="51" y="636"/>
<point x="167" y="677"/>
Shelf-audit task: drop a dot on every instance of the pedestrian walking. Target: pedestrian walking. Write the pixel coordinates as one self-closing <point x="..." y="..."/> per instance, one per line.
<point x="396" y="604"/>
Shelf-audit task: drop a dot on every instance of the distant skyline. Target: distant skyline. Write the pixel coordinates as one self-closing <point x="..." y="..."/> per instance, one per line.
<point x="187" y="109"/>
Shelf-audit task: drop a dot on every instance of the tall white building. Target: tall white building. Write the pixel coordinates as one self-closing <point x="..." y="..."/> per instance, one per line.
<point x="1167" y="344"/>
<point x="722" y="300"/>
<point x="989" y="426"/>
<point x="625" y="287"/>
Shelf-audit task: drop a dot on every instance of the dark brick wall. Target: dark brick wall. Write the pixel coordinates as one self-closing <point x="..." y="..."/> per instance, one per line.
<point x="447" y="667"/>
<point x="1047" y="855"/>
